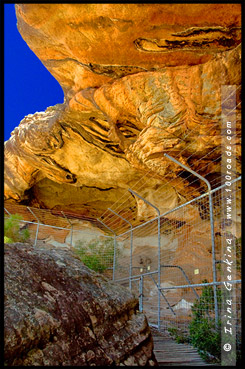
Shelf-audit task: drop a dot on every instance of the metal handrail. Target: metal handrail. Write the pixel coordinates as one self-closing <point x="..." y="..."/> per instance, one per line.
<point x="184" y="274"/>
<point x="142" y="275"/>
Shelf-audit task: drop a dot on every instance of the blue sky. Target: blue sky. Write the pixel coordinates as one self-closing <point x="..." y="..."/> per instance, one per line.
<point x="28" y="85"/>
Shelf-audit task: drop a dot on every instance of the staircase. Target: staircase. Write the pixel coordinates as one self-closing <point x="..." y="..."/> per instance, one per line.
<point x="170" y="353"/>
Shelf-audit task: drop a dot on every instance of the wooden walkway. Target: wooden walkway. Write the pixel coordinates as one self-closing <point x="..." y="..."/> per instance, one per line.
<point x="170" y="353"/>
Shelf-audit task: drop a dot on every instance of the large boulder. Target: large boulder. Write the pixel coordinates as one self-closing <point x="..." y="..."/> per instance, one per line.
<point x="59" y="312"/>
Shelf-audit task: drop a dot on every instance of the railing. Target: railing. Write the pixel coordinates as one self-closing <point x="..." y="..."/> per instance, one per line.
<point x="156" y="276"/>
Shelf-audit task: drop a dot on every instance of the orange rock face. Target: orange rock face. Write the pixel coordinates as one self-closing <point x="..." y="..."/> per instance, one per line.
<point x="86" y="45"/>
<point x="140" y="80"/>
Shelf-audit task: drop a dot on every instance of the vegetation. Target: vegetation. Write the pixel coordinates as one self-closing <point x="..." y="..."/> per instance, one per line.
<point x="96" y="254"/>
<point x="203" y="333"/>
<point x="179" y="335"/>
<point x="13" y="231"/>
<point x="7" y="240"/>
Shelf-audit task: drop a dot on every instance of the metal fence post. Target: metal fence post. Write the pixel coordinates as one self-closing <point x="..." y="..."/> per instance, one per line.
<point x="159" y="254"/>
<point x="115" y="247"/>
<point x="212" y="231"/>
<point x="37" y="225"/>
<point x="131" y="247"/>
<point x="69" y="223"/>
<point x="7" y="211"/>
<point x="141" y="281"/>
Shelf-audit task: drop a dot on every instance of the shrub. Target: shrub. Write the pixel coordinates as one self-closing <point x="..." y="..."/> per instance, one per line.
<point x="204" y="335"/>
<point x="96" y="254"/>
<point x="12" y="230"/>
<point x="7" y="240"/>
<point x="179" y="335"/>
<point x="206" y="338"/>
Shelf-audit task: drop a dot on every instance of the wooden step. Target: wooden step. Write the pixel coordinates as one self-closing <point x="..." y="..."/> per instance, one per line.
<point x="170" y="353"/>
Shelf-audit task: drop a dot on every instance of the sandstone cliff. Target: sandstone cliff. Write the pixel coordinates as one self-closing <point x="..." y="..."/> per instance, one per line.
<point x="140" y="80"/>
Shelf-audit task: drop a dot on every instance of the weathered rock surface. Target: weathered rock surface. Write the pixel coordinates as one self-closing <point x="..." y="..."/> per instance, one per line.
<point x="140" y="80"/>
<point x="58" y="312"/>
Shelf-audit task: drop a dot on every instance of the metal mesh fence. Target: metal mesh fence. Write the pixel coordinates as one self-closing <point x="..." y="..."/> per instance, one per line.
<point x="93" y="247"/>
<point x="188" y="261"/>
<point x="176" y="264"/>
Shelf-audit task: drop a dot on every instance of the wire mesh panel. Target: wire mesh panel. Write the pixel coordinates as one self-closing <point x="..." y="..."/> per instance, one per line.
<point x="40" y="224"/>
<point x="145" y="265"/>
<point x="95" y="250"/>
<point x="50" y="234"/>
<point x="122" y="258"/>
<point x="187" y="264"/>
<point x="187" y="261"/>
<point x="145" y="248"/>
<point x="150" y="296"/>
